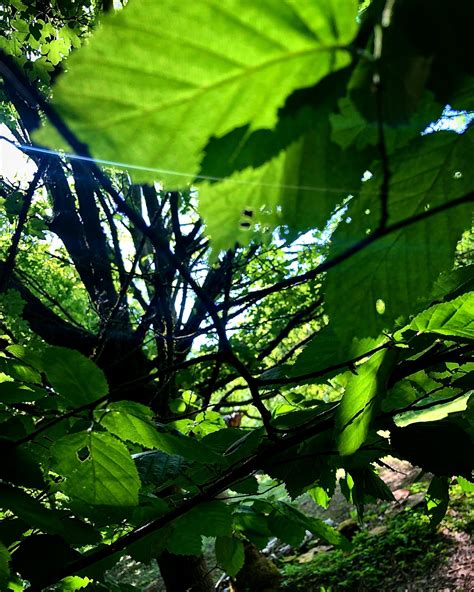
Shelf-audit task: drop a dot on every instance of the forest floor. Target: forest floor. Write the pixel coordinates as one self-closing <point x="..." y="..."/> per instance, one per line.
<point x="440" y="561"/>
<point x="395" y="550"/>
<point x="456" y="572"/>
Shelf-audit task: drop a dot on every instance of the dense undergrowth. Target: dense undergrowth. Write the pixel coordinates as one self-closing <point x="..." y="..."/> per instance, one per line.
<point x="406" y="547"/>
<point x="375" y="561"/>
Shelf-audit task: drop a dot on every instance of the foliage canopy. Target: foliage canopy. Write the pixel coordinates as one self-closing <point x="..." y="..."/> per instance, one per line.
<point x="255" y="208"/>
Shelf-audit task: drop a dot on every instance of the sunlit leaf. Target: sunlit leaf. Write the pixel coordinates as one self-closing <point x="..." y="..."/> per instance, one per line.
<point x="358" y="403"/>
<point x="387" y="279"/>
<point x="200" y="70"/>
<point x="98" y="469"/>
<point x="453" y="319"/>
<point x="76" y="378"/>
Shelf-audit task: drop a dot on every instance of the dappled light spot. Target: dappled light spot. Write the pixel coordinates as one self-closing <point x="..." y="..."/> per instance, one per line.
<point x="348" y="220"/>
<point x="427" y="207"/>
<point x="452" y="120"/>
<point x="367" y="212"/>
<point x="380" y="306"/>
<point x="457" y="174"/>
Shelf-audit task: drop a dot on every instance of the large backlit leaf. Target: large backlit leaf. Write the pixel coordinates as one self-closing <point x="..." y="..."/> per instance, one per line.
<point x="76" y="378"/>
<point x="357" y="406"/>
<point x="436" y="411"/>
<point x="158" y="79"/>
<point x="98" y="469"/>
<point x="454" y="318"/>
<point x="385" y="281"/>
<point x="299" y="188"/>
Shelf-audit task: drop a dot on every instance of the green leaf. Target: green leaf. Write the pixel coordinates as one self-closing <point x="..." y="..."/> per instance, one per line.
<point x="18" y="371"/>
<point x="466" y="486"/>
<point x="4" y="566"/>
<point x="305" y="109"/>
<point x="299" y="467"/>
<point x="253" y="524"/>
<point x="248" y="486"/>
<point x="98" y="469"/>
<point x="439" y="408"/>
<point x="314" y="525"/>
<point x="16" y="392"/>
<point x="187" y="447"/>
<point x="453" y="319"/>
<point x="129" y="421"/>
<point x="389" y="278"/>
<point x="156" y="467"/>
<point x="326" y="350"/>
<point x="295" y="175"/>
<point x="184" y="542"/>
<point x="209" y="518"/>
<point x="285" y="528"/>
<point x="320" y="496"/>
<point x="328" y="533"/>
<point x="351" y="128"/>
<point x="72" y="583"/>
<point x="355" y="411"/>
<point x="402" y="394"/>
<point x="298" y="188"/>
<point x="230" y="554"/>
<point x="453" y="283"/>
<point x="132" y="421"/>
<point x="241" y="62"/>
<point x="368" y="486"/>
<point x="73" y="376"/>
<point x="437" y="499"/>
<point x="30" y="358"/>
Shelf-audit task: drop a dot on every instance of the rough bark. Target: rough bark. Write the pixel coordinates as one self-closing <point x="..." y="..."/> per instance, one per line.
<point x="185" y="573"/>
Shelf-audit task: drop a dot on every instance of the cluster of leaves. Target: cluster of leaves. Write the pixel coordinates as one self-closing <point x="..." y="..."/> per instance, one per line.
<point x="48" y="31"/>
<point x="286" y="117"/>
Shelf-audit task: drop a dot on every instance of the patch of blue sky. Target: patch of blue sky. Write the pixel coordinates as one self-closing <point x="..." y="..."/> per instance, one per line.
<point x="451" y="120"/>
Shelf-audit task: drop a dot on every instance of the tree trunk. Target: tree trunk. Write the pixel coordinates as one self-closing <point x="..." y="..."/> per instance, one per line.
<point x="185" y="573"/>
